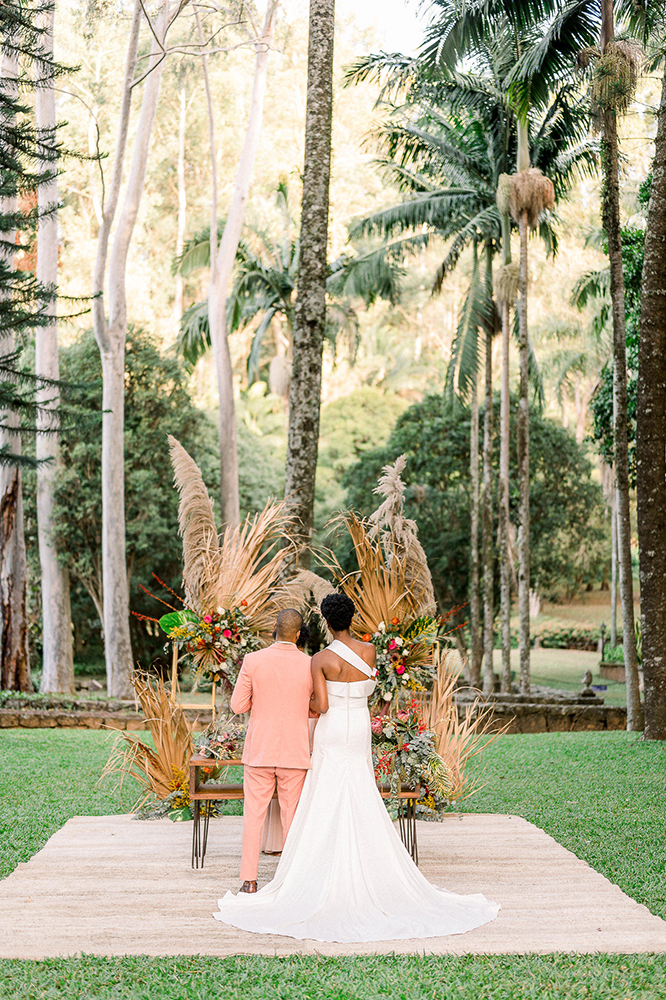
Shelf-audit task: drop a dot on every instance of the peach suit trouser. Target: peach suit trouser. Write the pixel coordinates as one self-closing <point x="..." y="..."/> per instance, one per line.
<point x="258" y="787"/>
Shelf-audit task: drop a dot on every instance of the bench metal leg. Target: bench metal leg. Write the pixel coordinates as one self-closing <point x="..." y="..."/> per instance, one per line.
<point x="407" y="827"/>
<point x="196" y="834"/>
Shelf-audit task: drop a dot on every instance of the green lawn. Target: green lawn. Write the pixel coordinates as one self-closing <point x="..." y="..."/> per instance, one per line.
<point x="599" y="794"/>
<point x="563" y="669"/>
<point x="399" y="977"/>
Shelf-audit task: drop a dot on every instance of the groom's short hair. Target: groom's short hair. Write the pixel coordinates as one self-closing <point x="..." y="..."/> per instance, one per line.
<point x="289" y="622"/>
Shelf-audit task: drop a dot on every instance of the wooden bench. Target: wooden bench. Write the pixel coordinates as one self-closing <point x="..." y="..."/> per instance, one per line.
<point x="204" y="792"/>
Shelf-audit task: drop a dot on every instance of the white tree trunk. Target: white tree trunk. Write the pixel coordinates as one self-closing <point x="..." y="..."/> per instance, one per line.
<point x="222" y="263"/>
<point x="111" y="340"/>
<point x="57" y="660"/>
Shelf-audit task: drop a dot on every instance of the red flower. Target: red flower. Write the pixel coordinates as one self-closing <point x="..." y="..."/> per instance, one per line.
<point x="400" y="669"/>
<point x="227" y="633"/>
<point x="366" y="638"/>
<point x="394" y="621"/>
<point x="243" y="604"/>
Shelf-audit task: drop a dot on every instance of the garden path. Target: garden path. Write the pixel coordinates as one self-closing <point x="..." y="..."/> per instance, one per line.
<point x="111" y="885"/>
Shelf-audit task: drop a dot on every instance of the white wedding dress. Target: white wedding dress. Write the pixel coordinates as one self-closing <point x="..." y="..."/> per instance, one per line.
<point x="344" y="874"/>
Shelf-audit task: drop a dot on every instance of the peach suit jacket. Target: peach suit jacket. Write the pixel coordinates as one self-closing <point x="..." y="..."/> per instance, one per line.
<point x="274" y="685"/>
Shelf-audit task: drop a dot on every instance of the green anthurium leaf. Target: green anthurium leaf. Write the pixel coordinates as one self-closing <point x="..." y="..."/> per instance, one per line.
<point x="176" y="618"/>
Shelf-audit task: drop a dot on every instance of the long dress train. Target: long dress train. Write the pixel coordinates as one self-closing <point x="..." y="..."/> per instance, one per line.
<point x="344" y="874"/>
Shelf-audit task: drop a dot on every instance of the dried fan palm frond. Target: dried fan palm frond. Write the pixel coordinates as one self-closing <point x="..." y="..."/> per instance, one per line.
<point x="379" y="592"/>
<point x="196" y="522"/>
<point x="399" y="535"/>
<point x="458" y="740"/>
<point x="616" y="75"/>
<point x="249" y="567"/>
<point x="506" y="283"/>
<point x="531" y="194"/>
<point x="163" y="769"/>
<point x="243" y="568"/>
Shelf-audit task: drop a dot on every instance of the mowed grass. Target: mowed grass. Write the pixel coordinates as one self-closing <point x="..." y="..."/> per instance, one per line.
<point x="563" y="670"/>
<point x="599" y="794"/>
<point x="403" y="977"/>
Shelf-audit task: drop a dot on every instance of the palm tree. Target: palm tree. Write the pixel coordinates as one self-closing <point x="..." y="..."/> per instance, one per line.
<point x="264" y="286"/>
<point x="456" y="134"/>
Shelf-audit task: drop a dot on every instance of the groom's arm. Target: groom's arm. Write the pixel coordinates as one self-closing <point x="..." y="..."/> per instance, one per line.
<point x="241" y="699"/>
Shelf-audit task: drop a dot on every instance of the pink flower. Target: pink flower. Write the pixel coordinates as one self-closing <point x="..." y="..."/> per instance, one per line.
<point x="392" y="644"/>
<point x="376" y="726"/>
<point x="400" y="669"/>
<point x="208" y="619"/>
<point x="227" y="633"/>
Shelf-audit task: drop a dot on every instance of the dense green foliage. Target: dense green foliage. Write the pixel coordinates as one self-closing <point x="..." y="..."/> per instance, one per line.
<point x="567" y="515"/>
<point x="157" y="403"/>
<point x="307" y="977"/>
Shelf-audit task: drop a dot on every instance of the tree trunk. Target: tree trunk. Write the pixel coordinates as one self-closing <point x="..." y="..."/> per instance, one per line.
<point x="523" y="435"/>
<point x="487" y="521"/>
<point x="222" y="265"/>
<point x="504" y="512"/>
<point x="57" y="657"/>
<point x="651" y="443"/>
<point x="182" y="206"/>
<point x="613" y="588"/>
<point x="111" y="339"/>
<point x="476" y="646"/>
<point x="610" y="215"/>
<point x="310" y="309"/>
<point x="14" y="664"/>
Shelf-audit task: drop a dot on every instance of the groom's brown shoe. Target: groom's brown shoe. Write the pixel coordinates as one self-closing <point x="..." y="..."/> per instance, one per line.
<point x="249" y="886"/>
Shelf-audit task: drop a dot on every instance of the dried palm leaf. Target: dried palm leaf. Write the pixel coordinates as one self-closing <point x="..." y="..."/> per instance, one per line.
<point x="379" y="592"/>
<point x="458" y="740"/>
<point x="163" y="769"/>
<point x="196" y="522"/>
<point x="245" y="567"/>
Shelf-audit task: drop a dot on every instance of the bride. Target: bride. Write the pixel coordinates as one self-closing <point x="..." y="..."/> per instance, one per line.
<point x="344" y="874"/>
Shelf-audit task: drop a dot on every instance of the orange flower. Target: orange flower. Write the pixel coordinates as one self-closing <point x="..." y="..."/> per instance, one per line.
<point x="243" y="604"/>
<point x="394" y="621"/>
<point x="366" y="638"/>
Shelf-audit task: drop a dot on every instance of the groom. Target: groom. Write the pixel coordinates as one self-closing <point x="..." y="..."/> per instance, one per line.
<point x="274" y="685"/>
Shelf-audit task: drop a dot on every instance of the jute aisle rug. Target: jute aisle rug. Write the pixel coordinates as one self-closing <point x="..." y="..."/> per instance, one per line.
<point x="112" y="885"/>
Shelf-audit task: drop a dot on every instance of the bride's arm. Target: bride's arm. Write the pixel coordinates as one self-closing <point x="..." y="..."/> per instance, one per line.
<point x="319" y="698"/>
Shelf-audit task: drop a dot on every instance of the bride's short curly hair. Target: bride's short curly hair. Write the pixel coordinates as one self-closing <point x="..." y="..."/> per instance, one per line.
<point x="338" y="610"/>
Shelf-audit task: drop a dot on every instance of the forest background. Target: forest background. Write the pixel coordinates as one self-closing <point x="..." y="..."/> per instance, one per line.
<point x="387" y="357"/>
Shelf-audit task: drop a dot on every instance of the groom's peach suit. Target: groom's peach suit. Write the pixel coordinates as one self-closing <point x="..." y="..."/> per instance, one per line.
<point x="274" y="685"/>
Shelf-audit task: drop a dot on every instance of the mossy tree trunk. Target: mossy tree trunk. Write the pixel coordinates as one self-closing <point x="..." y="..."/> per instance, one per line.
<point x="523" y="434"/>
<point x="487" y="547"/>
<point x="610" y="213"/>
<point x="310" y="308"/>
<point x="651" y="443"/>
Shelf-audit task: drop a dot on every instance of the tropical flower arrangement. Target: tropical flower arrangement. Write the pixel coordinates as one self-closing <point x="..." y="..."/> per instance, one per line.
<point x="404" y="656"/>
<point x="222" y="740"/>
<point x="404" y="752"/>
<point x="216" y="642"/>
